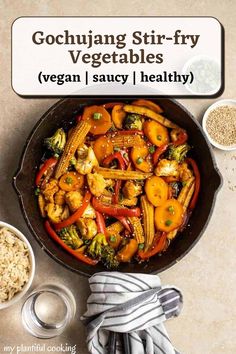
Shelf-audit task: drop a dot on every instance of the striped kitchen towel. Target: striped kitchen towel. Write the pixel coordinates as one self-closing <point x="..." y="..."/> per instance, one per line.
<point x="130" y="303"/>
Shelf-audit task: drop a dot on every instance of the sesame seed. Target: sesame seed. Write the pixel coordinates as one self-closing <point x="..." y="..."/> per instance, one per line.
<point x="221" y="125"/>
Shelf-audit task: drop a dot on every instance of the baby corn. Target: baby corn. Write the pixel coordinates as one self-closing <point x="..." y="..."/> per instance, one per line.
<point x="138" y="229"/>
<point x="126" y="141"/>
<point x="76" y="138"/>
<point x="120" y="174"/>
<point x="42" y="204"/>
<point x="184" y="198"/>
<point x="115" y="228"/>
<point x="149" y="114"/>
<point x="148" y="221"/>
<point x="185" y="190"/>
<point x="106" y="199"/>
<point x="189" y="196"/>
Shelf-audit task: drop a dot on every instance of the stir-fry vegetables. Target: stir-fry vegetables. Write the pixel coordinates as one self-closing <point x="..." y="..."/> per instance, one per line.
<point x="98" y="118"/>
<point x="178" y="153"/>
<point x="119" y="185"/>
<point x="156" y="190"/>
<point x="133" y="121"/>
<point x="149" y="104"/>
<point x="118" y="115"/>
<point x="57" y="142"/>
<point x="45" y="170"/>
<point x="102" y="148"/>
<point x="156" y="133"/>
<point x="74" y="141"/>
<point x="99" y="248"/>
<point x="70" y="236"/>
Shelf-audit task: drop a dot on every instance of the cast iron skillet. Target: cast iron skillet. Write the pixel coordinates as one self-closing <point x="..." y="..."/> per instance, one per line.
<point x="67" y="109"/>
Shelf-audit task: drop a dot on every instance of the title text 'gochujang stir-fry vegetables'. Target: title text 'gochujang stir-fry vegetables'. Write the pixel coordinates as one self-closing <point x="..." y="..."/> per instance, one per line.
<point x="119" y="185"/>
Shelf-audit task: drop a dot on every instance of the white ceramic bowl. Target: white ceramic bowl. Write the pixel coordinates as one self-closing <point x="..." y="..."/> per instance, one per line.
<point x="195" y="64"/>
<point x="220" y="103"/>
<point x="26" y="287"/>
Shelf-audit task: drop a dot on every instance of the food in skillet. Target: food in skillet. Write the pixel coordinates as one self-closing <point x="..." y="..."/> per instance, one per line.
<point x="118" y="186"/>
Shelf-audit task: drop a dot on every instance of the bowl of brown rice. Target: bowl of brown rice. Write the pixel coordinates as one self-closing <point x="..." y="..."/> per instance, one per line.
<point x="17" y="265"/>
<point x="219" y="124"/>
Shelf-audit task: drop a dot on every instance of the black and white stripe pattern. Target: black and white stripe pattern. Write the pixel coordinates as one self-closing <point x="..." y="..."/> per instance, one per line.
<point x="136" y="304"/>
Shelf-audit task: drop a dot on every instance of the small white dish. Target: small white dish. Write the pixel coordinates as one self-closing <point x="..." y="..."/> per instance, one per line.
<point x="220" y="103"/>
<point x="207" y="75"/>
<point x="26" y="287"/>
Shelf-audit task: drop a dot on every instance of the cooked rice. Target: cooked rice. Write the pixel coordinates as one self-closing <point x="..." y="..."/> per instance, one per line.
<point x="14" y="264"/>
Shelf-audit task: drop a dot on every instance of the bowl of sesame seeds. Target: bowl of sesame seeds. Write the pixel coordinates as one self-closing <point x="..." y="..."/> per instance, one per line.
<point x="219" y="124"/>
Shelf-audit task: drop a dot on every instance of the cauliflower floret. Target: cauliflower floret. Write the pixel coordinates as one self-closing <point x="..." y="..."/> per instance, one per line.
<point x="132" y="189"/>
<point x="74" y="200"/>
<point x="86" y="160"/>
<point x="109" y="189"/>
<point x="96" y="184"/>
<point x="54" y="212"/>
<point x="82" y="152"/>
<point x="184" y="172"/>
<point x="87" y="228"/>
<point x="59" y="197"/>
<point x="66" y="213"/>
<point x="89" y="212"/>
<point x="50" y="189"/>
<point x="109" y="182"/>
<point x="167" y="168"/>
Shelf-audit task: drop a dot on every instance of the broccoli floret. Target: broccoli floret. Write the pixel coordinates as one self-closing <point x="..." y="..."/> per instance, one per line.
<point x="113" y="128"/>
<point x="133" y="121"/>
<point x="178" y="153"/>
<point x="95" y="248"/>
<point x="72" y="164"/>
<point x="100" y="249"/>
<point x="70" y="236"/>
<point x="109" y="258"/>
<point x="57" y="142"/>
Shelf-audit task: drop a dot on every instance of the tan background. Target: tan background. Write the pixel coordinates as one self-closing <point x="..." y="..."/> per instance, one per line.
<point x="207" y="276"/>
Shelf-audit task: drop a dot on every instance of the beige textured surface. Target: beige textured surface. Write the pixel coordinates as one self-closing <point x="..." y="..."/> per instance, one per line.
<point x="207" y="274"/>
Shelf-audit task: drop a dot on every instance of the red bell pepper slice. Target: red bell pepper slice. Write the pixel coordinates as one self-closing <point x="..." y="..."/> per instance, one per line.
<point x="158" y="152"/>
<point x="79" y="255"/>
<point x="109" y="105"/>
<point x="116" y="156"/>
<point x="115" y="197"/>
<point x="182" y="137"/>
<point x="101" y="223"/>
<point x="124" y="222"/>
<point x="48" y="164"/>
<point x="78" y="118"/>
<point x="122" y="163"/>
<point x="74" y="217"/>
<point x="158" y="247"/>
<point x="196" y="173"/>
<point x="114" y="210"/>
